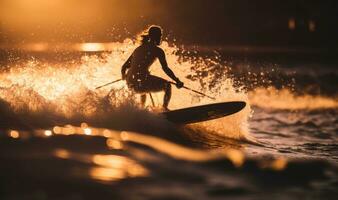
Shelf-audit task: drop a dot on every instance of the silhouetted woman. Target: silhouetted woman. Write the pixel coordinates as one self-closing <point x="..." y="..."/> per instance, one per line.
<point x="138" y="76"/>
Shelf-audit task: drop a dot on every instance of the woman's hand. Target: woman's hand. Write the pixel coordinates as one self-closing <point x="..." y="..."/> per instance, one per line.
<point x="179" y="84"/>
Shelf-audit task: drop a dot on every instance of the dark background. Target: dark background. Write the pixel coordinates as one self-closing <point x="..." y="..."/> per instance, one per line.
<point x="200" y="22"/>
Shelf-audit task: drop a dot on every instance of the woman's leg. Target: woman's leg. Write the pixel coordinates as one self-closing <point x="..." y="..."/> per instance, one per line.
<point x="143" y="99"/>
<point x="156" y="84"/>
<point x="167" y="95"/>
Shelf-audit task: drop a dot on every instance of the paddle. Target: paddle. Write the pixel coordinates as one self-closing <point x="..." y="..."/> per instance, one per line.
<point x="200" y="93"/>
<point x="108" y="83"/>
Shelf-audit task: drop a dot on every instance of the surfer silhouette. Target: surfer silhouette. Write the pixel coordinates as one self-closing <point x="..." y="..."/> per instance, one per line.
<point x="136" y="69"/>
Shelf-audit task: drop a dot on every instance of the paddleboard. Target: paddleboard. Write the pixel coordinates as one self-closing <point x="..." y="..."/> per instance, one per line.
<point x="204" y="112"/>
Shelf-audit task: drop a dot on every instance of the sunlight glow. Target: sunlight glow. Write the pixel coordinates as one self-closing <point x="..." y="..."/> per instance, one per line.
<point x="57" y="129"/>
<point x="84" y="125"/>
<point x="87" y="131"/>
<point x="124" y="135"/>
<point x="68" y="130"/>
<point x="236" y="156"/>
<point x="185" y="153"/>
<point x="113" y="167"/>
<point x="106" y="133"/>
<point x="277" y="164"/>
<point x="114" y="144"/>
<point x="48" y="133"/>
<point x="62" y="153"/>
<point x="271" y="98"/>
<point x="161" y="145"/>
<point x="106" y="174"/>
<point x="14" y="134"/>
<point x="39" y="47"/>
<point x="92" y="47"/>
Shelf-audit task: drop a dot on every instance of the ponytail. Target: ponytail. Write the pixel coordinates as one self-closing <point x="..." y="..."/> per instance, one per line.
<point x="145" y="39"/>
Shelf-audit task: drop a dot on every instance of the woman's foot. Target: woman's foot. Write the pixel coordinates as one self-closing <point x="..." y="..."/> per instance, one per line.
<point x="165" y="109"/>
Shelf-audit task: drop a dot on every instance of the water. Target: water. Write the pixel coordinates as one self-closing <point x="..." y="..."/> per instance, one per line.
<point x="63" y="139"/>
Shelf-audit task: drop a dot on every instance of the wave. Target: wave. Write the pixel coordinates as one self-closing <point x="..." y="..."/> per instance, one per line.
<point x="41" y="94"/>
<point x="272" y="98"/>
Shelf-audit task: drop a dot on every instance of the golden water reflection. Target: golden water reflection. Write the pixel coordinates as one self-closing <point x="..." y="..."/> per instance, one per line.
<point x="48" y="133"/>
<point x="105" y="167"/>
<point x="14" y="134"/>
<point x="272" y="98"/>
<point x="117" y="139"/>
<point x="184" y="153"/>
<point x="277" y="164"/>
<point x="114" y="144"/>
<point x="106" y="174"/>
<point x="45" y="47"/>
<point x="114" y="167"/>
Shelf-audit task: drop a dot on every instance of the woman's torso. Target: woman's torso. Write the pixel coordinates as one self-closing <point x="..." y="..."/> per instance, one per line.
<point x="143" y="57"/>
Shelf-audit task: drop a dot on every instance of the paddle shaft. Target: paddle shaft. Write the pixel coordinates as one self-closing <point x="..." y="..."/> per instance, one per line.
<point x="109" y="83"/>
<point x="200" y="93"/>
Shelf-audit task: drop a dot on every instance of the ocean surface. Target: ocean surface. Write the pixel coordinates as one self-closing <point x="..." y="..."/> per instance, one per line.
<point x="60" y="138"/>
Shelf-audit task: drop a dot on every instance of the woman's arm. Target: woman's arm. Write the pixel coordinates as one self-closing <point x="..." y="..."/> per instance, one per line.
<point x="166" y="69"/>
<point x="125" y="66"/>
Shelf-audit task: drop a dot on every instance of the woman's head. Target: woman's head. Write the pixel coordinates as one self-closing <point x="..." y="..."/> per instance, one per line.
<point x="152" y="35"/>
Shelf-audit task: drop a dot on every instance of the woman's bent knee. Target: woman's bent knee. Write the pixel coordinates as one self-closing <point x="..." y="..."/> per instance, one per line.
<point x="167" y="85"/>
